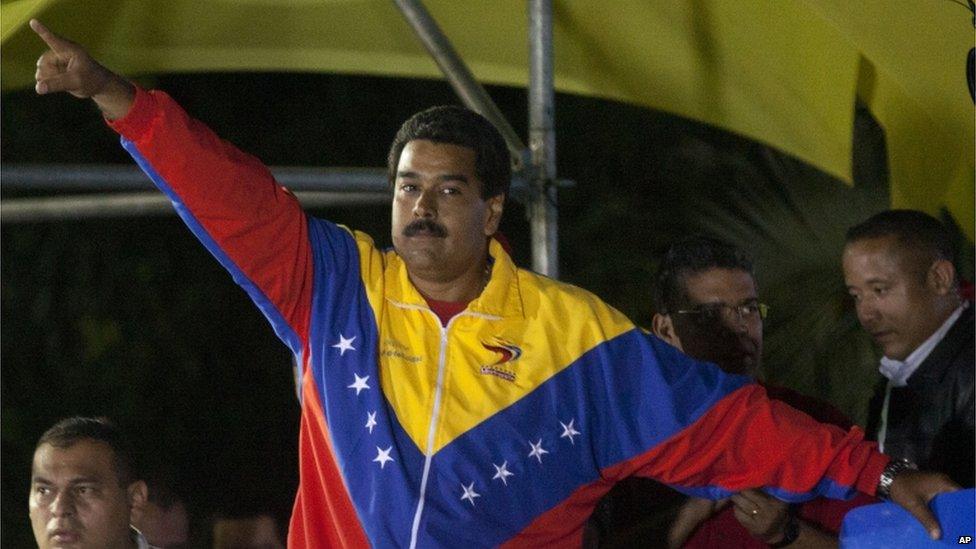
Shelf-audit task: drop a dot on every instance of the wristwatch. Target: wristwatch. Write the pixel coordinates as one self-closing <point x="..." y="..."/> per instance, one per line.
<point x="790" y="532"/>
<point x="894" y="468"/>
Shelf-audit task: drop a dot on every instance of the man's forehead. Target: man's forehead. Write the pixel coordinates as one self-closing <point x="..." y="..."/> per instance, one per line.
<point x="88" y="459"/>
<point x="431" y="155"/>
<point x="723" y="284"/>
<point x="877" y="254"/>
<point x="884" y="244"/>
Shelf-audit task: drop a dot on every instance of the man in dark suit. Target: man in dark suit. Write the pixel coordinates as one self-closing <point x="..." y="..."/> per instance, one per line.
<point x="898" y="267"/>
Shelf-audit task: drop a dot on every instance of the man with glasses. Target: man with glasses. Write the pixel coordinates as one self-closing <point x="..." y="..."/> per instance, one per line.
<point x="707" y="305"/>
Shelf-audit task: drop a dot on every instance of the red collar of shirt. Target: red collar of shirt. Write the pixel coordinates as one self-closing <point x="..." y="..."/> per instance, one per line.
<point x="445" y="310"/>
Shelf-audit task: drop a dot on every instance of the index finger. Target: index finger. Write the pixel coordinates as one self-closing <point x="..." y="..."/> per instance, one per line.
<point x="53" y="41"/>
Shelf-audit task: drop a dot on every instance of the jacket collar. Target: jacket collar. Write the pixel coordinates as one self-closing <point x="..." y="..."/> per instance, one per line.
<point x="943" y="357"/>
<point x="501" y="297"/>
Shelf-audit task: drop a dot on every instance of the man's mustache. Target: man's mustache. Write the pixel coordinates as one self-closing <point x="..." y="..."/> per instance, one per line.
<point x="425" y="226"/>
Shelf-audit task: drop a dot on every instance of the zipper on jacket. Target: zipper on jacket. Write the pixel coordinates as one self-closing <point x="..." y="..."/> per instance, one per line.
<point x="432" y="429"/>
<point x="435" y="412"/>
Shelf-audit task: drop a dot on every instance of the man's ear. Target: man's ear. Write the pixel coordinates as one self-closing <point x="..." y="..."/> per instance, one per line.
<point x="496" y="206"/>
<point x="137" y="494"/>
<point x="941" y="277"/>
<point x="663" y="327"/>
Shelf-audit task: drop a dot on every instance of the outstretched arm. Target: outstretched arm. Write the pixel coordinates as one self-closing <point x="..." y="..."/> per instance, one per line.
<point x="253" y="226"/>
<point x="744" y="440"/>
<point x="67" y="67"/>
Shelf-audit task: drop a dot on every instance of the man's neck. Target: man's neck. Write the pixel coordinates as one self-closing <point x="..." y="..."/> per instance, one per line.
<point x="946" y="308"/>
<point x="463" y="288"/>
<point x="898" y="371"/>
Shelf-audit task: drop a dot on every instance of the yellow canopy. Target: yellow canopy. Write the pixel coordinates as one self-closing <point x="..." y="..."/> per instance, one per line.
<point x="783" y="72"/>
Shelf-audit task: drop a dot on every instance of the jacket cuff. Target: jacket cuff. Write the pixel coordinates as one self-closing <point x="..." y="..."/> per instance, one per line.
<point x="868" y="480"/>
<point x="137" y="120"/>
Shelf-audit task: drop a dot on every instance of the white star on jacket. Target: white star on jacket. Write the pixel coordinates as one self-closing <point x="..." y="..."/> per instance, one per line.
<point x="359" y="384"/>
<point x="383" y="456"/>
<point x="501" y="472"/>
<point x="568" y="431"/>
<point x="344" y="344"/>
<point x="370" y="421"/>
<point x="537" y="450"/>
<point x="469" y="493"/>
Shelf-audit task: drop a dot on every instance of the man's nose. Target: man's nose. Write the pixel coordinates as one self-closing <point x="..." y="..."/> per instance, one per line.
<point x="426" y="205"/>
<point x="63" y="504"/>
<point x="867" y="311"/>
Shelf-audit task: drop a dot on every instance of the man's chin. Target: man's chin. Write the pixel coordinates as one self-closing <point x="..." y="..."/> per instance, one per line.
<point x="894" y="353"/>
<point x="423" y="262"/>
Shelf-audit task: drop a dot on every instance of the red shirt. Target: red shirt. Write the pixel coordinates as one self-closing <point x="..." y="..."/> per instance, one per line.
<point x="445" y="310"/>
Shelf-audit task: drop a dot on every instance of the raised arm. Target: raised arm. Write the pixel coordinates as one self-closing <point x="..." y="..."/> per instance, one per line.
<point x="253" y="226"/>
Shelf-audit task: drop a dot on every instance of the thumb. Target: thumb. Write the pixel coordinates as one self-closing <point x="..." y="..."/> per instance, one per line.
<point x="920" y="510"/>
<point x="913" y="490"/>
<point x="65" y="82"/>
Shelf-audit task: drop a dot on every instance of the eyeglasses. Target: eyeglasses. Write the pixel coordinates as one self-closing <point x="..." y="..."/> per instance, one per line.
<point x="712" y="312"/>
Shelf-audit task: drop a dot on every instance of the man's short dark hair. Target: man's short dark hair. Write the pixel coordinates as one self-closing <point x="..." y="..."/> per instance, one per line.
<point x="69" y="431"/>
<point x="459" y="126"/>
<point x="690" y="256"/>
<point x="917" y="232"/>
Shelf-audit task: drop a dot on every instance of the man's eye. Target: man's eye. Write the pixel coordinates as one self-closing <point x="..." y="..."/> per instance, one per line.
<point x="710" y="313"/>
<point x="408" y="187"/>
<point x="881" y="290"/>
<point x="42" y="490"/>
<point x="751" y="308"/>
<point x="451" y="190"/>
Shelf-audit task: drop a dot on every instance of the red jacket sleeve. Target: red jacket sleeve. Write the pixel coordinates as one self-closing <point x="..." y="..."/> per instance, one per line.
<point x="747" y="440"/>
<point x="250" y="223"/>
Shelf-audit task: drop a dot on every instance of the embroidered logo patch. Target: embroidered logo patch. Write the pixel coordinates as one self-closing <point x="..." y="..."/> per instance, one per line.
<point x="507" y="354"/>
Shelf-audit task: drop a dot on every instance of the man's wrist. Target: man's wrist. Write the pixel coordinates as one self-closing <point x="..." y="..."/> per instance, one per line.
<point x="891" y="471"/>
<point x="116" y="97"/>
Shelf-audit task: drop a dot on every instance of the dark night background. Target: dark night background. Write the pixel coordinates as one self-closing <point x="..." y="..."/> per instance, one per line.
<point x="132" y="318"/>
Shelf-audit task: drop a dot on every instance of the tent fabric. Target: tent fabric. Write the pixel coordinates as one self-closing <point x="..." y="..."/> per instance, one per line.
<point x="785" y="73"/>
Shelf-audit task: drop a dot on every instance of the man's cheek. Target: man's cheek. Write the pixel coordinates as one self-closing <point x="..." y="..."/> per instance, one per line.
<point x="707" y="345"/>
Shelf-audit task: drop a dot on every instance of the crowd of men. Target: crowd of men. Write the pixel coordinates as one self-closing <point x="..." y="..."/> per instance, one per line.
<point x="451" y="398"/>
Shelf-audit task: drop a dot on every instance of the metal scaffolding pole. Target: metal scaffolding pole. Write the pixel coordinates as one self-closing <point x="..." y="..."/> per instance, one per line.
<point x="542" y="189"/>
<point x="128" y="177"/>
<point x="543" y="215"/>
<point x="144" y="204"/>
<point x="316" y="187"/>
<point x="472" y="94"/>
